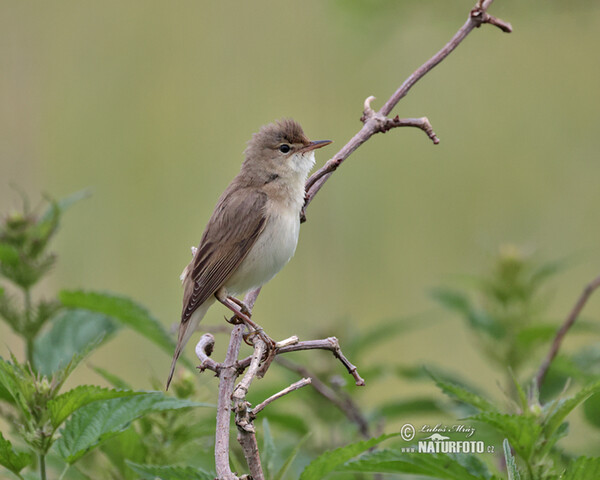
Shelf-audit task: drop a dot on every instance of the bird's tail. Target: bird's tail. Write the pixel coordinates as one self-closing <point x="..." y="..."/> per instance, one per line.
<point x="186" y="330"/>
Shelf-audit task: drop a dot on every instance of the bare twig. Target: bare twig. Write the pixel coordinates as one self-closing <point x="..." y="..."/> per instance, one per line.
<point x="332" y="344"/>
<point x="373" y="123"/>
<point x="294" y="386"/>
<point x="204" y="350"/>
<point x="562" y="331"/>
<point x="227" y="376"/>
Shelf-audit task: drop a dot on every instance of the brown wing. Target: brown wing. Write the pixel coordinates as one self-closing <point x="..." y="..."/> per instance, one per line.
<point x="236" y="223"/>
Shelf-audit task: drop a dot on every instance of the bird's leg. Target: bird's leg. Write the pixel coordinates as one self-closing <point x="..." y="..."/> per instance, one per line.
<point x="238" y="307"/>
<point x="243" y="307"/>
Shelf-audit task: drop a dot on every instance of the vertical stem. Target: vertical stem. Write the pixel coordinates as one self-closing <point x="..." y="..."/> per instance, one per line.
<point x="42" y="459"/>
<point x="28" y="314"/>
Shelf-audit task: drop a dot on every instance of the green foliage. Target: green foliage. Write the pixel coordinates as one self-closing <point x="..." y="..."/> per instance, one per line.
<point x="123" y="310"/>
<point x="511" y="466"/>
<point x="153" y="472"/>
<point x="71" y="332"/>
<point x="12" y="460"/>
<point x="332" y="460"/>
<point x="129" y="434"/>
<point x="101" y="419"/>
<point x="451" y="467"/>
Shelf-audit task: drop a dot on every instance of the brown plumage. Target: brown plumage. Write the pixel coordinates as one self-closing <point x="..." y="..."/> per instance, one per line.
<point x="253" y="230"/>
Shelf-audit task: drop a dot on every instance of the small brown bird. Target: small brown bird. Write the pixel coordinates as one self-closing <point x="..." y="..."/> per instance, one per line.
<point x="253" y="231"/>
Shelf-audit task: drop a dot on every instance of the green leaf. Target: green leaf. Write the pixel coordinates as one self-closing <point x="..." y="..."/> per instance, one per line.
<point x="61" y="407"/>
<point x="460" y="303"/>
<point x="129" y="445"/>
<point x="463" y="395"/>
<point x="12" y="460"/>
<point x="10" y="312"/>
<point x="99" y="420"/>
<point x="268" y="451"/>
<point x="290" y="459"/>
<point x="555" y="412"/>
<point x="522" y="431"/>
<point x="584" y="468"/>
<point x="73" y="331"/>
<point x="18" y="384"/>
<point x="64" y="203"/>
<point x="440" y="466"/>
<point x="591" y="410"/>
<point x="153" y="472"/>
<point x="511" y="466"/>
<point x="123" y="310"/>
<point x="333" y="459"/>
<point x="111" y="378"/>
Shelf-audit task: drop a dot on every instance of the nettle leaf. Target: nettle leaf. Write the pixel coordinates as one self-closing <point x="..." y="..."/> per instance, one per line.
<point x="61" y="407"/>
<point x="124" y="310"/>
<point x="19" y="384"/>
<point x="268" y="450"/>
<point x="555" y="412"/>
<point x="523" y="431"/>
<point x="441" y="466"/>
<point x="111" y="378"/>
<point x="99" y="420"/>
<point x="153" y="472"/>
<point x="584" y="468"/>
<point x="10" y="459"/>
<point x="511" y="466"/>
<point x="72" y="332"/>
<point x="463" y="395"/>
<point x="333" y="459"/>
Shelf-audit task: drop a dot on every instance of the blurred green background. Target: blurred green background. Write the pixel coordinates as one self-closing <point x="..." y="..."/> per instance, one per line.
<point x="150" y="104"/>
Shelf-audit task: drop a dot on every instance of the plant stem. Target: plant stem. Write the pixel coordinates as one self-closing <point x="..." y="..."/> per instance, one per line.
<point x="64" y="471"/>
<point x="28" y="312"/>
<point x="42" y="459"/>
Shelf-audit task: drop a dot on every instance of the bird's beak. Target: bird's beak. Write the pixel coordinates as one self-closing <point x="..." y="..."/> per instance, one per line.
<point x="315" y="145"/>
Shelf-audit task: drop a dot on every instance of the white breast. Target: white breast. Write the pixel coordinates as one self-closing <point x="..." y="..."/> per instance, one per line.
<point x="272" y="250"/>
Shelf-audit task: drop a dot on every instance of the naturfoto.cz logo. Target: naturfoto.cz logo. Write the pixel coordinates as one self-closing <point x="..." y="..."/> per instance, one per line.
<point x="436" y="442"/>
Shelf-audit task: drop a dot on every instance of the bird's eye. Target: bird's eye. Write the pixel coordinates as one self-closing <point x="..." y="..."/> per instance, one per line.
<point x="284" y="148"/>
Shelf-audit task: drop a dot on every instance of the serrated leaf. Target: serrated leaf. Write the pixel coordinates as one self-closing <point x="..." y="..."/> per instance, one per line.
<point x="17" y="384"/>
<point x="125" y="311"/>
<point x="99" y="420"/>
<point x="440" y="466"/>
<point x="62" y="406"/>
<point x="555" y="412"/>
<point x="522" y="431"/>
<point x="584" y="468"/>
<point x="72" y="332"/>
<point x="333" y="459"/>
<point x="462" y="394"/>
<point x="511" y="466"/>
<point x="153" y="472"/>
<point x="11" y="459"/>
<point x="111" y="378"/>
